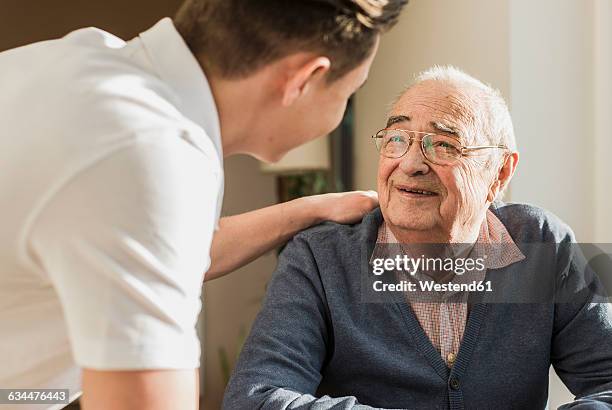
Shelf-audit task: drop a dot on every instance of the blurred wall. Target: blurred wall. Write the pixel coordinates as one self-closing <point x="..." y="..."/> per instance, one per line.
<point x="23" y="22"/>
<point x="603" y="113"/>
<point x="552" y="98"/>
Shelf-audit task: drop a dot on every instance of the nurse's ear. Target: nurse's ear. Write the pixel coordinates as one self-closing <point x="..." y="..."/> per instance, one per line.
<point x="303" y="73"/>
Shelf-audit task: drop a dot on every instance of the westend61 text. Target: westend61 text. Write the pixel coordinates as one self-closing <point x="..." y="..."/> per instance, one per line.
<point x="430" y="286"/>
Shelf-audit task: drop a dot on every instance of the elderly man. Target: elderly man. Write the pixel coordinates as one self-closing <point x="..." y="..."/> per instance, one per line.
<point x="447" y="152"/>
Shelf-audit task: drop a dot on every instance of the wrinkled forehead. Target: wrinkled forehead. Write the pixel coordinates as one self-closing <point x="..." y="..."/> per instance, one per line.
<point x="435" y="106"/>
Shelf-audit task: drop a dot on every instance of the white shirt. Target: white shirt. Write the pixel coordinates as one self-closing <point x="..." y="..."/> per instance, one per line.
<point x="111" y="185"/>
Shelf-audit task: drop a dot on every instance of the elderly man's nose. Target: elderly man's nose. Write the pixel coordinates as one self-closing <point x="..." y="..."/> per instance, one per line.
<point x="413" y="162"/>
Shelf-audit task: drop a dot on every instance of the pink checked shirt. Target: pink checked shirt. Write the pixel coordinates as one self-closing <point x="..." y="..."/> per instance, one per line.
<point x="444" y="323"/>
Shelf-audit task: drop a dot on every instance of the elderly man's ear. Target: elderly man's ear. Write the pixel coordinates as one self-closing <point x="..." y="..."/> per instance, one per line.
<point x="506" y="171"/>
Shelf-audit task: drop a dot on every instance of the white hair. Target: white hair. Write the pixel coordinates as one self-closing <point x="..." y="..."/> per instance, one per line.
<point x="496" y="122"/>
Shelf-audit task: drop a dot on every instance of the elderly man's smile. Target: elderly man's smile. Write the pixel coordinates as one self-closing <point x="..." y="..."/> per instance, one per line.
<point x="415" y="192"/>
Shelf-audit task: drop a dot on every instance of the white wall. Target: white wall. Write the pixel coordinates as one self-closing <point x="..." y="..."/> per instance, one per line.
<point x="603" y="115"/>
<point x="552" y="61"/>
<point x="552" y="100"/>
<point x="561" y="63"/>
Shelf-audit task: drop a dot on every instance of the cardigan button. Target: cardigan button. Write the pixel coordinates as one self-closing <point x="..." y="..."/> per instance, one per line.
<point x="454" y="383"/>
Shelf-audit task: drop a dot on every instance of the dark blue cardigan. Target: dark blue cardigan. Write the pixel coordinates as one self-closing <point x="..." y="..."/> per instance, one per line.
<point x="316" y="345"/>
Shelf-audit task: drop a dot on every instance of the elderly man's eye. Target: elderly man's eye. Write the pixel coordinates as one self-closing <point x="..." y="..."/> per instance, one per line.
<point x="445" y="145"/>
<point x="440" y="148"/>
<point x="394" y="145"/>
<point x="395" y="140"/>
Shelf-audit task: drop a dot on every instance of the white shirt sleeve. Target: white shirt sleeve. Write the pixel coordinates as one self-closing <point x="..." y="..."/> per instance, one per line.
<point x="126" y="243"/>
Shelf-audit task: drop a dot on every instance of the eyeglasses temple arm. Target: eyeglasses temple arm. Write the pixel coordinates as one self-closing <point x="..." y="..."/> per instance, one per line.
<point x="477" y="147"/>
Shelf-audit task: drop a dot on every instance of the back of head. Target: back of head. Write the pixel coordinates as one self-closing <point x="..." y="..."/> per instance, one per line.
<point x="234" y="38"/>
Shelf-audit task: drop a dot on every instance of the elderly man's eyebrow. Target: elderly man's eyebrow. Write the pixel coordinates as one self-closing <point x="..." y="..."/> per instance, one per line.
<point x="445" y="128"/>
<point x="397" y="118"/>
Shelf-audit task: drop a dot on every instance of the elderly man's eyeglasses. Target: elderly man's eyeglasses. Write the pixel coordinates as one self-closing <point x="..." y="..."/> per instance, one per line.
<point x="436" y="148"/>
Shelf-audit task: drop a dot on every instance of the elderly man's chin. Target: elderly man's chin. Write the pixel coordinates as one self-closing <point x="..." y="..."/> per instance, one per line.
<point x="413" y="213"/>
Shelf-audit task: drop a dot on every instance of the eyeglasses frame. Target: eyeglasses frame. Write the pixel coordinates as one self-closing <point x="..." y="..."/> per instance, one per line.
<point x="464" y="150"/>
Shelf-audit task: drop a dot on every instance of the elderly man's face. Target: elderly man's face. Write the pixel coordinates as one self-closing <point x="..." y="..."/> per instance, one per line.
<point x="457" y="194"/>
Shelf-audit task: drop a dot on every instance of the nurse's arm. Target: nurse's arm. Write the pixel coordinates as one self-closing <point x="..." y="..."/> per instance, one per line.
<point x="141" y="389"/>
<point x="243" y="238"/>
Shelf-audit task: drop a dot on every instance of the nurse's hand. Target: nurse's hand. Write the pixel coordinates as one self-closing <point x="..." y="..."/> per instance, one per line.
<point x="243" y="238"/>
<point x="344" y="207"/>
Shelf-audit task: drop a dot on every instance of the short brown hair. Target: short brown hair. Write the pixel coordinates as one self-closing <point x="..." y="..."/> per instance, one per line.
<point x="234" y="38"/>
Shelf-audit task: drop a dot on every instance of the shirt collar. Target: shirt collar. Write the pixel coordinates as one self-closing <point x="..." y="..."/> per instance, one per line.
<point x="501" y="249"/>
<point x="499" y="243"/>
<point x="180" y="70"/>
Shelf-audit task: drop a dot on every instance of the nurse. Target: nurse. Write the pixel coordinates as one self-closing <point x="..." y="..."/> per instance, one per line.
<point x="112" y="181"/>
